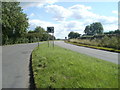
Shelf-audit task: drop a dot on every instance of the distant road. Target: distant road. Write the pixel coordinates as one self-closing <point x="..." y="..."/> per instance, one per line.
<point x="105" y="55"/>
<point x="15" y="65"/>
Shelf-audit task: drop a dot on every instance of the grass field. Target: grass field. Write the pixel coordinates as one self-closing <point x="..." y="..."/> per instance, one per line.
<point x="63" y="68"/>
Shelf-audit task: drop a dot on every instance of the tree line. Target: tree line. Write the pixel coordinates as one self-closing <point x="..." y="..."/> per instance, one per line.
<point x="95" y="36"/>
<point x="15" y="24"/>
<point x="94" y="29"/>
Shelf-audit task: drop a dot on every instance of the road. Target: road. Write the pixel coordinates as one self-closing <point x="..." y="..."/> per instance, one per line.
<point x="105" y="55"/>
<point x="15" y="65"/>
<point x="15" y="61"/>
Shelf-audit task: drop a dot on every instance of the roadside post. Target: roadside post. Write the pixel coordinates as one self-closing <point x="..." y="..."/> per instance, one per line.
<point x="65" y="38"/>
<point x="50" y="30"/>
<point x="48" y="40"/>
<point x="38" y="41"/>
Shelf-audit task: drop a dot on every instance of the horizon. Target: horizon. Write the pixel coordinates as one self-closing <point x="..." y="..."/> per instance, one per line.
<point x="71" y="16"/>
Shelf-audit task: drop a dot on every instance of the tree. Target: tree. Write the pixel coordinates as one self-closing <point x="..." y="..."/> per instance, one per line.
<point x="39" y="29"/>
<point x="76" y="35"/>
<point x="30" y="31"/>
<point x="14" y="21"/>
<point x="73" y="35"/>
<point x="97" y="28"/>
<point x="87" y="29"/>
<point x="117" y="31"/>
<point x="113" y="32"/>
<point x="94" y="28"/>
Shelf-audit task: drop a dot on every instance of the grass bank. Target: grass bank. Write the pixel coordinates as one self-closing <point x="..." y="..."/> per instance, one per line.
<point x="63" y="68"/>
<point x="92" y="46"/>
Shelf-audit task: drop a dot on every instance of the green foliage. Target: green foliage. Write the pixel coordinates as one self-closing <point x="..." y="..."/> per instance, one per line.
<point x="113" y="32"/>
<point x="15" y="24"/>
<point x="39" y="34"/>
<point x="73" y="35"/>
<point x="63" y="68"/>
<point x="87" y="29"/>
<point x="94" y="28"/>
<point x="14" y="21"/>
<point x="93" y="46"/>
<point x="40" y="30"/>
<point x="106" y="41"/>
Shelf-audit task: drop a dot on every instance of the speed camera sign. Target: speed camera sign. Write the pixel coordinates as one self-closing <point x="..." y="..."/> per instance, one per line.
<point x="50" y="29"/>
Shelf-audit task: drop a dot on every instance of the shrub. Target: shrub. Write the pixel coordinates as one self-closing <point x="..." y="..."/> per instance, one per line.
<point x="106" y="41"/>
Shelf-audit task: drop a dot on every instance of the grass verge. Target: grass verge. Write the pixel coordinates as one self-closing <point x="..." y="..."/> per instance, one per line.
<point x="63" y="68"/>
<point x="95" y="47"/>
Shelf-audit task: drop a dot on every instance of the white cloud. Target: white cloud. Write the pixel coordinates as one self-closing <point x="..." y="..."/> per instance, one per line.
<point x="60" y="13"/>
<point x="110" y="27"/>
<point x="61" y="29"/>
<point x="81" y="12"/>
<point x="115" y="12"/>
<point x="36" y="22"/>
<point x="31" y="15"/>
<point x="74" y="18"/>
<point x="41" y="3"/>
<point x="78" y="12"/>
<point x="82" y="7"/>
<point x="31" y="4"/>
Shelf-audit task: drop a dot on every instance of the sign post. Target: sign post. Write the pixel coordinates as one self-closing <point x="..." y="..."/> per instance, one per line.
<point x="48" y="40"/>
<point x="50" y="30"/>
<point x="53" y="40"/>
<point x="38" y="41"/>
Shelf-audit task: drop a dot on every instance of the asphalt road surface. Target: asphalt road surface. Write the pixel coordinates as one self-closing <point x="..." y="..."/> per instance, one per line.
<point x="15" y="65"/>
<point x="104" y="55"/>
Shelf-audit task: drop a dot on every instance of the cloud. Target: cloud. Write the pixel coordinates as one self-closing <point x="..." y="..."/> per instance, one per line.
<point x="74" y="18"/>
<point x="59" y="28"/>
<point x="37" y="22"/>
<point x="60" y="13"/>
<point x="115" y="12"/>
<point x="31" y="15"/>
<point x="31" y="4"/>
<point x="84" y="12"/>
<point x="108" y="20"/>
<point x="78" y="12"/>
<point x="81" y="11"/>
<point x="110" y="27"/>
<point x="41" y="3"/>
<point x="62" y="29"/>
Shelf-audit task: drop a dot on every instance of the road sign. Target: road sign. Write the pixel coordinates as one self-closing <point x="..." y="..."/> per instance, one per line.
<point x="50" y="29"/>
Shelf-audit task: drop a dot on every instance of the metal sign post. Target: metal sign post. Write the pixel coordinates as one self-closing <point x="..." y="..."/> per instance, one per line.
<point x="50" y="30"/>
<point x="38" y="42"/>
<point x="48" y="39"/>
<point x="53" y="40"/>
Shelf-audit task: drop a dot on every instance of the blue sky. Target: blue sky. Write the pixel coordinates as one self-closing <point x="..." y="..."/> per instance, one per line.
<point x="71" y="16"/>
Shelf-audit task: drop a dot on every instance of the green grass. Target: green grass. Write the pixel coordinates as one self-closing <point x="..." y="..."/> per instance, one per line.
<point x="96" y="47"/>
<point x="63" y="68"/>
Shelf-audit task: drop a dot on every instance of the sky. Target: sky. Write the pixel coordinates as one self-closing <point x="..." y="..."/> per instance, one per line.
<point x="71" y="16"/>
